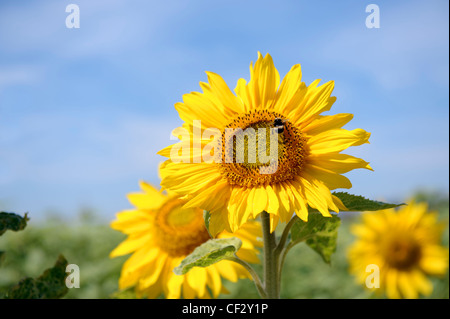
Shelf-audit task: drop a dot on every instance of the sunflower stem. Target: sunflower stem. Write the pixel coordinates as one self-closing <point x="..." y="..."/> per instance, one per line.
<point x="285" y="235"/>
<point x="271" y="285"/>
<point x="256" y="279"/>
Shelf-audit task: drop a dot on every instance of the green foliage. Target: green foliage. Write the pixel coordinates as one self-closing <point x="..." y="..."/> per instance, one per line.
<point x="88" y="243"/>
<point x="50" y="285"/>
<point x="319" y="232"/>
<point x="356" y="203"/>
<point x="11" y="221"/>
<point x="210" y="252"/>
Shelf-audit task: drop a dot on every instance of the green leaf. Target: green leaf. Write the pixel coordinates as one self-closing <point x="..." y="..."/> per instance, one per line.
<point x="208" y="253"/>
<point x="50" y="285"/>
<point x="2" y="256"/>
<point x="356" y="203"/>
<point x="319" y="232"/>
<point x="11" y="221"/>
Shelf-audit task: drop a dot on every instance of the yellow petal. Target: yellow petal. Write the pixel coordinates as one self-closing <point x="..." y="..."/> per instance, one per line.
<point x="238" y="210"/>
<point x="259" y="201"/>
<point x="249" y="255"/>
<point x="173" y="282"/>
<point x="131" y="221"/>
<point x="130" y="273"/>
<point x="151" y="292"/>
<point x="151" y="274"/>
<point x="227" y="270"/>
<point x="315" y="198"/>
<point x="196" y="278"/>
<point x="273" y="222"/>
<point x="211" y="198"/>
<point x="140" y="258"/>
<point x="285" y="210"/>
<point x="264" y="81"/>
<point x="339" y="204"/>
<point x="243" y="93"/>
<point x="326" y="123"/>
<point x="273" y="204"/>
<point x="297" y="197"/>
<point x="391" y="284"/>
<point x="223" y="93"/>
<point x="144" y="201"/>
<point x="218" y="222"/>
<point x="152" y="192"/>
<point x="186" y="178"/>
<point x="406" y="286"/>
<point x="214" y="280"/>
<point x="337" y="140"/>
<point x="421" y="283"/>
<point x="131" y="244"/>
<point x="329" y="178"/>
<point x="188" y="291"/>
<point x="196" y="107"/>
<point x="434" y="259"/>
<point x="338" y="163"/>
<point x="316" y="101"/>
<point x="290" y="92"/>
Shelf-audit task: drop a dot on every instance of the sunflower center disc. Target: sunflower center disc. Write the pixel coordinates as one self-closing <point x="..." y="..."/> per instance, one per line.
<point x="402" y="254"/>
<point x="179" y="231"/>
<point x="257" y="152"/>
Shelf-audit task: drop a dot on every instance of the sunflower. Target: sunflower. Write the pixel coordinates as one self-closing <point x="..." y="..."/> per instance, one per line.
<point x="404" y="245"/>
<point x="308" y="160"/>
<point x="161" y="233"/>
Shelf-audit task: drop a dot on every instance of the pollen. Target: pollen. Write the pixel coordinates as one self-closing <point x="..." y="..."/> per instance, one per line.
<point x="254" y="153"/>
<point x="178" y="231"/>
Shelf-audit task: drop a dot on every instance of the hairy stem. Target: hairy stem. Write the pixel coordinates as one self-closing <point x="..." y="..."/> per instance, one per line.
<point x="280" y="250"/>
<point x="285" y="235"/>
<point x="271" y="276"/>
<point x="256" y="279"/>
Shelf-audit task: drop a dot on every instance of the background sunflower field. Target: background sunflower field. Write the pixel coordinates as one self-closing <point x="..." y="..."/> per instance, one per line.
<point x="88" y="240"/>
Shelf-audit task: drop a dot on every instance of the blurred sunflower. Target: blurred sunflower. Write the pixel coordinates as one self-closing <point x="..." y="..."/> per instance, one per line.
<point x="161" y="233"/>
<point x="406" y="247"/>
<point x="309" y="162"/>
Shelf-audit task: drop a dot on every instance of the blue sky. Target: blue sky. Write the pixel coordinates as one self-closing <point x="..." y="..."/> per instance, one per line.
<point x="84" y="111"/>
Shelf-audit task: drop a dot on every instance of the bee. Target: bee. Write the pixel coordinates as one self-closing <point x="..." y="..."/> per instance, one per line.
<point x="279" y="125"/>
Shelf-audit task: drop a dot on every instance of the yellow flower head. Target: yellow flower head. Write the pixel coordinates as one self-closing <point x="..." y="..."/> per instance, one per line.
<point x="161" y="233"/>
<point x="241" y="182"/>
<point x="404" y="245"/>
